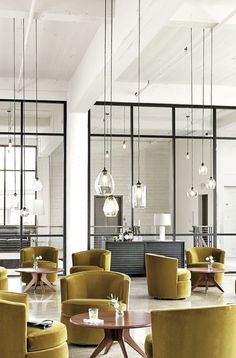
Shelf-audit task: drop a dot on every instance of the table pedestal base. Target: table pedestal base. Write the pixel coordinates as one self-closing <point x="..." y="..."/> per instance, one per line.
<point x="38" y="278"/>
<point x="205" y="278"/>
<point x="121" y="336"/>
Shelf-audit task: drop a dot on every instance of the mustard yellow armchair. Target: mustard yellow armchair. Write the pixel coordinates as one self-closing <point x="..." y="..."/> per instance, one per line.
<point x="195" y="332"/>
<point x="19" y="341"/>
<point x="3" y="279"/>
<point x="196" y="257"/>
<point x="91" y="260"/>
<point x="88" y="289"/>
<point x="164" y="279"/>
<point x="49" y="260"/>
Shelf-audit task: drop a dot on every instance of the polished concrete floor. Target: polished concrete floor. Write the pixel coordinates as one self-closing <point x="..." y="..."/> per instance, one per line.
<point x="47" y="305"/>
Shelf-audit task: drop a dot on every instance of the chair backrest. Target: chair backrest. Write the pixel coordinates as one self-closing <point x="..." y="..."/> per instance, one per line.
<point x="161" y="274"/>
<point x="13" y="313"/>
<point x="101" y="258"/>
<point x="199" y="254"/>
<point x="48" y="253"/>
<point x="196" y="332"/>
<point x="95" y="284"/>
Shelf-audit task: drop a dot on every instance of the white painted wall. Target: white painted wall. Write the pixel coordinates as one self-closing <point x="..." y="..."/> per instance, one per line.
<point x="77" y="161"/>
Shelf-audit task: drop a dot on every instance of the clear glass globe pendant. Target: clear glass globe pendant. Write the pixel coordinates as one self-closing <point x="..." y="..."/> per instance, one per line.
<point x="139" y="195"/>
<point x="37" y="184"/>
<point x="192" y="193"/>
<point x="202" y="169"/>
<point x="187" y="155"/>
<point x="104" y="183"/>
<point x="15" y="201"/>
<point x="211" y="183"/>
<point x="24" y="212"/>
<point x="111" y="207"/>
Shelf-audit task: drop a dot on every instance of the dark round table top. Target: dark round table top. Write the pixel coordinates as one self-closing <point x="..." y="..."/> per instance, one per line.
<point x="131" y="319"/>
<point x="205" y="270"/>
<point x="40" y="270"/>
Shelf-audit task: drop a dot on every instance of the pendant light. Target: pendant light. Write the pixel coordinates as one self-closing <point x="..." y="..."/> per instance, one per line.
<point x="111" y="207"/>
<point x="24" y="211"/>
<point x="104" y="183"/>
<point x="124" y="141"/>
<point x="139" y="190"/>
<point x="15" y="198"/>
<point x="203" y="168"/>
<point x="187" y="152"/>
<point x="37" y="184"/>
<point x="211" y="183"/>
<point x="192" y="192"/>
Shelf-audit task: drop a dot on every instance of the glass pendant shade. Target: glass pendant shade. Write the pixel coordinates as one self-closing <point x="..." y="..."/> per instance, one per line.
<point x="10" y="143"/>
<point x="124" y="144"/>
<point x="202" y="169"/>
<point x="110" y="207"/>
<point x="192" y="193"/>
<point x="104" y="184"/>
<point x="139" y="195"/>
<point x="211" y="183"/>
<point x="107" y="154"/>
<point x="15" y="201"/>
<point x="24" y="212"/>
<point x="187" y="155"/>
<point x="37" y="184"/>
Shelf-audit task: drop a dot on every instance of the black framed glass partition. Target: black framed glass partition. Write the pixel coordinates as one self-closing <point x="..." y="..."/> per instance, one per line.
<point x="166" y="134"/>
<point x="42" y="150"/>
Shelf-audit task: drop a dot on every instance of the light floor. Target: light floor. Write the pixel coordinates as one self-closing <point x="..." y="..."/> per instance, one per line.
<point x="47" y="305"/>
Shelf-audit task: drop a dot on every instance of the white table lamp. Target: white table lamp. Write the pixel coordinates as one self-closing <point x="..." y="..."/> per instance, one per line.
<point x="162" y="220"/>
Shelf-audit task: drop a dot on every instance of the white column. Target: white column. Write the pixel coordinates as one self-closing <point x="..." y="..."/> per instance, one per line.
<point x="77" y="169"/>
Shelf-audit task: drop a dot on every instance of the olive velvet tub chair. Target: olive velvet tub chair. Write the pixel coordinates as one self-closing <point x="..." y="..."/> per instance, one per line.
<point x="19" y="341"/>
<point x="87" y="289"/>
<point x="196" y="257"/>
<point x="3" y="278"/>
<point x="164" y="279"/>
<point x="49" y="260"/>
<point x="207" y="332"/>
<point x="99" y="260"/>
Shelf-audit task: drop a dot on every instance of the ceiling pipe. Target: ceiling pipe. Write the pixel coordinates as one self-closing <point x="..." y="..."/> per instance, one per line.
<point x="27" y="32"/>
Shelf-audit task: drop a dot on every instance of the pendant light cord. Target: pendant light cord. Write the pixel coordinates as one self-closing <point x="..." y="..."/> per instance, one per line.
<point x="111" y="86"/>
<point x="187" y="117"/>
<point x="211" y="162"/>
<point x="191" y="91"/>
<point x="14" y="98"/>
<point x="36" y="92"/>
<point x="203" y="91"/>
<point x="23" y="79"/>
<point x="124" y="123"/>
<point x="105" y="80"/>
<point x="139" y="79"/>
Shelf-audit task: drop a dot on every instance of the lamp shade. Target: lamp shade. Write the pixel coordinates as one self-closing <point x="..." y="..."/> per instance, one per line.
<point x="162" y="219"/>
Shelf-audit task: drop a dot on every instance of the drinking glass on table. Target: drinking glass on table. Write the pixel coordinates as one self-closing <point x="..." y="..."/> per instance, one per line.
<point x="93" y="314"/>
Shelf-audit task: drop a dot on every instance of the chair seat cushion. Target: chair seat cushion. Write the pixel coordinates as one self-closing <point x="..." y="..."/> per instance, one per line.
<point x="148" y="346"/>
<point x="204" y="264"/>
<point x="81" y="268"/>
<point x="40" y="339"/>
<point x="3" y="272"/>
<point x="183" y="275"/>
<point x="80" y="305"/>
<point x="42" y="263"/>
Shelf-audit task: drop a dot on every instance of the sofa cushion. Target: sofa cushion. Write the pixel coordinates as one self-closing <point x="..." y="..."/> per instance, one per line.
<point x="148" y="346"/>
<point x="183" y="275"/>
<point x="42" y="263"/>
<point x="40" y="339"/>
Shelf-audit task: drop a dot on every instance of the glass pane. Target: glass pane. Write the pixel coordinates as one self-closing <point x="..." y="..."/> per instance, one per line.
<point x="192" y="211"/>
<point x="120" y="120"/>
<point x="226" y="186"/>
<point x="225" y="123"/>
<point x="228" y="243"/>
<point x="121" y="171"/>
<point x="7" y="116"/>
<point x="12" y="186"/>
<point x="153" y="120"/>
<point x="50" y="117"/>
<point x="156" y="173"/>
<point x="1" y="198"/>
<point x="183" y="124"/>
